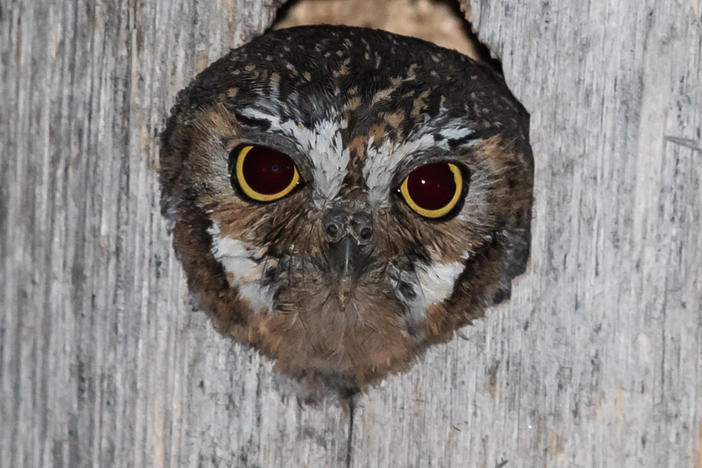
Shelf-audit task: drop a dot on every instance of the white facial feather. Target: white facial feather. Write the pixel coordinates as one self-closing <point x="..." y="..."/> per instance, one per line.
<point x="437" y="281"/>
<point x="382" y="161"/>
<point x="244" y="267"/>
<point x="322" y="145"/>
<point x="415" y="306"/>
<point x="431" y="284"/>
<point x="330" y="160"/>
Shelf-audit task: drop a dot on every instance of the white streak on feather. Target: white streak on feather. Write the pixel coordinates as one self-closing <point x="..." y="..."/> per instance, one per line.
<point x="234" y="255"/>
<point x="438" y="280"/>
<point x="432" y="284"/>
<point x="322" y="145"/>
<point x="243" y="271"/>
<point x="382" y="161"/>
<point x="415" y="308"/>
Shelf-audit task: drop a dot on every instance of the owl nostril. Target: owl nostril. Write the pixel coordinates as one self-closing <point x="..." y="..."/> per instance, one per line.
<point x="343" y="220"/>
<point x="332" y="230"/>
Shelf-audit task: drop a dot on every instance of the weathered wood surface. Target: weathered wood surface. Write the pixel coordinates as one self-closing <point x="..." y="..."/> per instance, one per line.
<point x="594" y="362"/>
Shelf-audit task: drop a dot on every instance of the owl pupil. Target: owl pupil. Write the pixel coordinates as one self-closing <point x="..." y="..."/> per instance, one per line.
<point x="268" y="171"/>
<point x="432" y="186"/>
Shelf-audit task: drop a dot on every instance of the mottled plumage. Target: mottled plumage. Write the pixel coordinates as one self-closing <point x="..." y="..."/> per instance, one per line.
<point x="357" y="110"/>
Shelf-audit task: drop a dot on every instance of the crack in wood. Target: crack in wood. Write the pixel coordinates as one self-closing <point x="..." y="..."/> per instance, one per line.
<point x="686" y="142"/>
<point x="349" y="441"/>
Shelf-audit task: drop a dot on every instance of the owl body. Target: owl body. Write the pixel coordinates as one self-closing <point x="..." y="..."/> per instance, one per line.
<point x="344" y="279"/>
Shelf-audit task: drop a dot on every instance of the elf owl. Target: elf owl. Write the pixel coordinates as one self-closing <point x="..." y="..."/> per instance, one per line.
<point x="344" y="197"/>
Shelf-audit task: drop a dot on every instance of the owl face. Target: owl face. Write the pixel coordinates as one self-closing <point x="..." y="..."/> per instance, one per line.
<point x="344" y="197"/>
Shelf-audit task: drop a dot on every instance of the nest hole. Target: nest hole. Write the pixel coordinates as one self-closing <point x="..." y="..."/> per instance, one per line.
<point x="439" y="21"/>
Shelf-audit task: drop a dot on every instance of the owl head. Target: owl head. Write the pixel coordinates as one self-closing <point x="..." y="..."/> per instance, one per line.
<point x="344" y="197"/>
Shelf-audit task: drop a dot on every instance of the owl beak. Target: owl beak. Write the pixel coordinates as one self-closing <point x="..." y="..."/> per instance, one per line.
<point x="344" y="255"/>
<point x="346" y="258"/>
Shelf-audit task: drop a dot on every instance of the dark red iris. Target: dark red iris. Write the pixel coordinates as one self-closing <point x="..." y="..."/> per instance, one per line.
<point x="268" y="171"/>
<point x="431" y="186"/>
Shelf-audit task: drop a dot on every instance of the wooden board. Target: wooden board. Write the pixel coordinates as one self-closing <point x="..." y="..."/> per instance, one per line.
<point x="596" y="360"/>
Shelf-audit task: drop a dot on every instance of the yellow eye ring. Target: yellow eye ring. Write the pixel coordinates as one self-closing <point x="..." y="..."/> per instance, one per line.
<point x="265" y="174"/>
<point x="431" y="185"/>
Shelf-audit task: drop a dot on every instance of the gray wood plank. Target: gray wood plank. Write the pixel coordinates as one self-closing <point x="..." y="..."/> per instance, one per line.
<point x="596" y="360"/>
<point x="102" y="362"/>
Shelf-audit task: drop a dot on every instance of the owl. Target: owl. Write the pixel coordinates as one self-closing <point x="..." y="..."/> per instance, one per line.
<point x="341" y="198"/>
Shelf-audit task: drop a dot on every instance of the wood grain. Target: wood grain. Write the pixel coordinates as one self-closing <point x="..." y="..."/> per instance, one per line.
<point x="103" y="362"/>
<point x="595" y="362"/>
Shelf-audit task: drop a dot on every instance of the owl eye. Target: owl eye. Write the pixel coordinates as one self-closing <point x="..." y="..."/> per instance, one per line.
<point x="433" y="190"/>
<point x="264" y="174"/>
